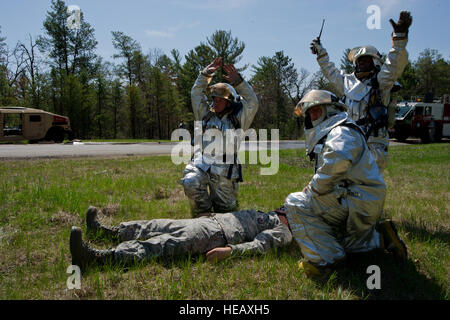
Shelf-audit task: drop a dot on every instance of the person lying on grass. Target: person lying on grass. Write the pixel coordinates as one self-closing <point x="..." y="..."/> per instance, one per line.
<point x="219" y="236"/>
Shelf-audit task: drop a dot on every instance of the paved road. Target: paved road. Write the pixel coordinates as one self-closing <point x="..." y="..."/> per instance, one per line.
<point x="105" y="149"/>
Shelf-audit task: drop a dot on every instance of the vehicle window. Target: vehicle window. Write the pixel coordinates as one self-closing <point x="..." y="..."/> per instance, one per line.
<point x="419" y="111"/>
<point x="35" y="118"/>
<point x="12" y="124"/>
<point x="401" y="111"/>
<point x="427" y="111"/>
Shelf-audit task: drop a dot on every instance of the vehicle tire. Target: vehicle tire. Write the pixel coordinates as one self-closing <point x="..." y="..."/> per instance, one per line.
<point x="401" y="136"/>
<point x="429" y="134"/>
<point x="55" y="134"/>
<point x="438" y="133"/>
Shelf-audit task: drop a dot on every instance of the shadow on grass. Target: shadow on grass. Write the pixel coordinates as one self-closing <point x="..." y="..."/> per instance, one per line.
<point x="398" y="282"/>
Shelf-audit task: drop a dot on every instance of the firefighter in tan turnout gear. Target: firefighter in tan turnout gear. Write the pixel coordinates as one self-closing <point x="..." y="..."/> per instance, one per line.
<point x="233" y="107"/>
<point x="219" y="236"/>
<point x="337" y="212"/>
<point x="367" y="91"/>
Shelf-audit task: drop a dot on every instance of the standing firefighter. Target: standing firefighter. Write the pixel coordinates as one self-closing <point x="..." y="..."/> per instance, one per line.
<point x="367" y="91"/>
<point x="228" y="111"/>
<point x="337" y="211"/>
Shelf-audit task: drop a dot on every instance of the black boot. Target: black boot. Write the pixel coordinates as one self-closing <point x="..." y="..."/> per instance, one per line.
<point x="83" y="255"/>
<point x="94" y="226"/>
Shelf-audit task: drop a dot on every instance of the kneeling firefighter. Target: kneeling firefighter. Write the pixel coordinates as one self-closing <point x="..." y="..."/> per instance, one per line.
<point x="367" y="91"/>
<point x="339" y="210"/>
<point x="234" y="107"/>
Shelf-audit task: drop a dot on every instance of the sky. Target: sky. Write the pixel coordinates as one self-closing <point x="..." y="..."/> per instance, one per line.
<point x="265" y="26"/>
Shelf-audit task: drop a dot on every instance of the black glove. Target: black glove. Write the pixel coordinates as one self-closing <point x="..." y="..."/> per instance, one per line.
<point x="316" y="47"/>
<point x="403" y="23"/>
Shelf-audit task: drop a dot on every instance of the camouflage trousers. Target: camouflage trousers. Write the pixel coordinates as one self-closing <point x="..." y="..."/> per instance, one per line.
<point x="221" y="196"/>
<point x="146" y="239"/>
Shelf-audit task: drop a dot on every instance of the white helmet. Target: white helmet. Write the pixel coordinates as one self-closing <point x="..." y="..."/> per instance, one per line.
<point x="329" y="102"/>
<point x="366" y="50"/>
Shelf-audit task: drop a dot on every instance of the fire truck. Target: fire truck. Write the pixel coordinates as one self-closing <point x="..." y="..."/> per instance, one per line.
<point x="429" y="121"/>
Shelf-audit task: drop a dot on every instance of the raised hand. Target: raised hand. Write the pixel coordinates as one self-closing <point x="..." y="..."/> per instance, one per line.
<point x="216" y="64"/>
<point x="316" y="47"/>
<point x="403" y="23"/>
<point x="231" y="74"/>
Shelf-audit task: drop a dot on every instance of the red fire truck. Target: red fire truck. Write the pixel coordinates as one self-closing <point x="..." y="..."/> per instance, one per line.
<point x="427" y="121"/>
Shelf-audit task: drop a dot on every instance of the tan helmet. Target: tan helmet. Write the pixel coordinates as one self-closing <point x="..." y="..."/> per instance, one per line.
<point x="223" y="90"/>
<point x="367" y="50"/>
<point x="318" y="97"/>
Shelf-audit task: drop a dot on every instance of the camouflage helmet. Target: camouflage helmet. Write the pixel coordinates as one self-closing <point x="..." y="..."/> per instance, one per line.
<point x="367" y="50"/>
<point x="223" y="90"/>
<point x="315" y="98"/>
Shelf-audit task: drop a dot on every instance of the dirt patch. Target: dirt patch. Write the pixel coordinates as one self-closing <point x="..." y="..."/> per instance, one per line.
<point x="110" y="209"/>
<point x="161" y="193"/>
<point x="65" y="218"/>
<point x="7" y="233"/>
<point x="176" y="195"/>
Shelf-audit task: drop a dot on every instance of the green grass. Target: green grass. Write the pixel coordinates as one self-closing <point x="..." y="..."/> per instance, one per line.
<point x="41" y="199"/>
<point x="14" y="142"/>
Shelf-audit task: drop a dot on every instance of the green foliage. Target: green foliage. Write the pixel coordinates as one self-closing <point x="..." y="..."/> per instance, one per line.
<point x="433" y="73"/>
<point x="430" y="73"/>
<point x="72" y="50"/>
<point x="279" y="87"/>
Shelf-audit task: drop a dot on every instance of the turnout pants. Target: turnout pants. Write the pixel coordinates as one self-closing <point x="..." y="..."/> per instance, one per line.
<point x="319" y="225"/>
<point x="221" y="196"/>
<point x="379" y="148"/>
<point x="143" y="240"/>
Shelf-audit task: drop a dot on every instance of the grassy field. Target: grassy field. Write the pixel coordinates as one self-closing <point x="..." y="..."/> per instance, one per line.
<point x="40" y="200"/>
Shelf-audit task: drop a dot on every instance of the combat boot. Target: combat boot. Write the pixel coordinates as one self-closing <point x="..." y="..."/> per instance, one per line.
<point x="83" y="255"/>
<point x="391" y="241"/>
<point x="93" y="226"/>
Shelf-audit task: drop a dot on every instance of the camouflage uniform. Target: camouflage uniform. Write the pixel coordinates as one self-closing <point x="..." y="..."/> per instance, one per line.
<point x="246" y="231"/>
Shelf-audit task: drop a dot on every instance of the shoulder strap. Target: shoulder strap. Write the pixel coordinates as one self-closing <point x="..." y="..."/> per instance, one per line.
<point x="206" y="119"/>
<point x="237" y="107"/>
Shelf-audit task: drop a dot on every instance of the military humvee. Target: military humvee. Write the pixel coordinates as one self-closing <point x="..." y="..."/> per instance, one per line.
<point x="20" y="123"/>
